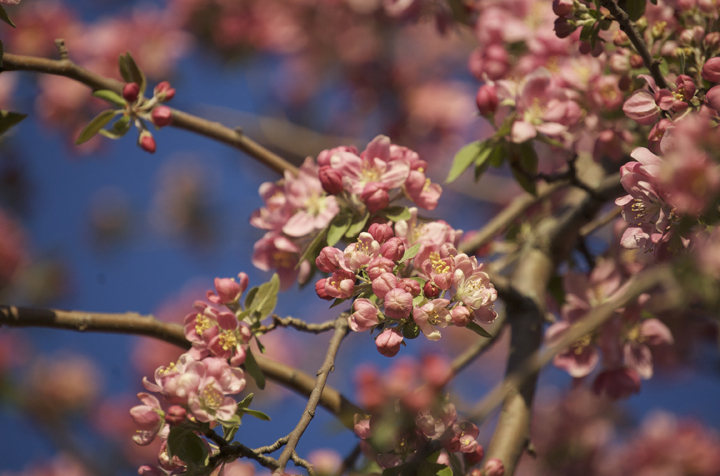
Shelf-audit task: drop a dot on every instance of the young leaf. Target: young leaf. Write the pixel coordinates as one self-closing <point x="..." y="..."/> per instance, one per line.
<point x="122" y="64"/>
<point x="95" y="125"/>
<point x="338" y="227"/>
<point x="635" y="8"/>
<point x="358" y="223"/>
<point x="136" y="76"/>
<point x="337" y="302"/>
<point x="265" y="298"/>
<point x="397" y="213"/>
<point x="9" y="119"/>
<point x="4" y="17"/>
<point x="478" y="330"/>
<point x="245" y="402"/>
<point x="186" y="445"/>
<point x="250" y="296"/>
<point x="524" y="162"/>
<point x="257" y="414"/>
<point x="465" y="156"/>
<point x="313" y="249"/>
<point x="119" y="129"/>
<point x="253" y="369"/>
<point x="110" y="96"/>
<point x="410" y="253"/>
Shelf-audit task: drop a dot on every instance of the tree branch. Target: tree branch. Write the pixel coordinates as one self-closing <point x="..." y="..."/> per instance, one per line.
<point x="297" y="324"/>
<point x="214" y="130"/>
<point x="341" y="330"/>
<point x="136" y="324"/>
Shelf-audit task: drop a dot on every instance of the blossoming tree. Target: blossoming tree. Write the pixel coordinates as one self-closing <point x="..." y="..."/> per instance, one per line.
<point x="600" y="120"/>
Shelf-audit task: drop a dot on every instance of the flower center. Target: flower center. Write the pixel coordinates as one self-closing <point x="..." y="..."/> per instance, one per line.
<point x="439" y="266"/>
<point x="202" y="324"/>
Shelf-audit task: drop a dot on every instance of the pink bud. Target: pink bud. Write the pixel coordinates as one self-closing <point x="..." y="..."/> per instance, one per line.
<point x="475" y="457"/>
<point x="494" y="467"/>
<point x="708" y="6"/>
<point x="712" y="98"/>
<point x="381" y="232"/>
<point x="619" y="64"/>
<point x="146" y="142"/>
<point x="393" y="249"/>
<point x="320" y="290"/>
<point x="147" y="470"/>
<point x="164" y="92"/>
<point x="378" y="266"/>
<point x="620" y="38"/>
<point x="331" y="180"/>
<point x="382" y="285"/>
<point x="430" y="290"/>
<point x="361" y="426"/>
<point x="685" y="5"/>
<point x="244" y="280"/>
<point x="636" y="61"/>
<point x="641" y="108"/>
<point x="175" y="415"/>
<point x="130" y="92"/>
<point x="398" y="303"/>
<point x="487" y="99"/>
<point x="388" y="343"/>
<point x="564" y="27"/>
<point x="685" y="86"/>
<point x="711" y="70"/>
<point x="329" y="259"/>
<point x="461" y="316"/>
<point x="409" y="285"/>
<point x="617" y="383"/>
<point x="228" y="290"/>
<point x="712" y="40"/>
<point x="562" y="8"/>
<point x="161" y="116"/>
<point x="375" y="196"/>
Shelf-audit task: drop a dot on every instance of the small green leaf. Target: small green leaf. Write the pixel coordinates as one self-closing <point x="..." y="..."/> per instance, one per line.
<point x="446" y="471"/>
<point x="338" y="227"/>
<point x="95" y="125"/>
<point x="465" y="156"/>
<point x="9" y="119"/>
<point x="257" y="414"/>
<point x="524" y="158"/>
<point x="586" y="33"/>
<point x="253" y="369"/>
<point x="337" y="302"/>
<point x="478" y="330"/>
<point x="397" y="213"/>
<point x="119" y="129"/>
<point x="314" y="248"/>
<point x="498" y="154"/>
<point x="410" y="330"/>
<point x="265" y="298"/>
<point x="136" y="75"/>
<point x="410" y="253"/>
<point x="489" y="156"/>
<point x="635" y="8"/>
<point x="122" y="64"/>
<point x="418" y="299"/>
<point x="186" y="445"/>
<point x="250" y="296"/>
<point x="245" y="402"/>
<point x="358" y="223"/>
<point x="110" y="96"/>
<point x="4" y="17"/>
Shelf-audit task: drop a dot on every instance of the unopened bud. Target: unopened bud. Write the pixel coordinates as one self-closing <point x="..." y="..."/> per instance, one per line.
<point x="375" y="197"/>
<point x="161" y="116"/>
<point x="708" y="6"/>
<point x="430" y="290"/>
<point x="711" y="40"/>
<point x="175" y="415"/>
<point x="636" y="61"/>
<point x="620" y="38"/>
<point x="381" y="232"/>
<point x="320" y="290"/>
<point x="619" y="64"/>
<point x="331" y="180"/>
<point x="130" y="92"/>
<point x="487" y="99"/>
<point x="564" y="27"/>
<point x="563" y="8"/>
<point x="146" y="142"/>
<point x="393" y="249"/>
<point x="494" y="467"/>
<point x="712" y="97"/>
<point x="388" y="343"/>
<point x="475" y="457"/>
<point x="711" y="70"/>
<point x="164" y="92"/>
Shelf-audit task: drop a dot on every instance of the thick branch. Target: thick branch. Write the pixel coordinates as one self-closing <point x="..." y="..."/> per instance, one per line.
<point x="628" y="27"/>
<point x="181" y="120"/>
<point x="341" y="330"/>
<point x="132" y="323"/>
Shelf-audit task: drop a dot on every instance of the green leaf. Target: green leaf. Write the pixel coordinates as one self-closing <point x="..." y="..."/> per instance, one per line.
<point x="410" y="330"/>
<point x="253" y="369"/>
<point x="431" y="469"/>
<point x="136" y="76"/>
<point x="338" y="227"/>
<point x="95" y="125"/>
<point x="4" y="17"/>
<point x="446" y="471"/>
<point x="498" y="154"/>
<point x="466" y="156"/>
<point x="486" y="158"/>
<point x="245" y="402"/>
<point x="110" y="96"/>
<point x="524" y="158"/>
<point x="473" y="326"/>
<point x="586" y="33"/>
<point x="9" y="119"/>
<point x="265" y="299"/>
<point x="124" y="69"/>
<point x="556" y="289"/>
<point x="337" y="302"/>
<point x="410" y="253"/>
<point x="257" y="414"/>
<point x="358" y="223"/>
<point x="119" y="129"/>
<point x="186" y="445"/>
<point x="398" y="213"/>
<point x="314" y="248"/>
<point x="250" y="296"/>
<point x="635" y="8"/>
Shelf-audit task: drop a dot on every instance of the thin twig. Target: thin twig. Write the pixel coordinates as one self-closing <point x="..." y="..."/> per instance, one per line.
<point x="181" y="120"/>
<point x="341" y="330"/>
<point x="636" y="39"/>
<point x="600" y="222"/>
<point x="274" y="447"/>
<point x="297" y="324"/>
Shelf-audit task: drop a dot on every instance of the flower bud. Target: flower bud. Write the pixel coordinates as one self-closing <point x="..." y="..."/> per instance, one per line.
<point x="320" y="290"/>
<point x="130" y="92"/>
<point x="461" y="316"/>
<point x="712" y="40"/>
<point x="164" y="92"/>
<point x="393" y="249"/>
<point x="620" y="38"/>
<point x="146" y="142"/>
<point x="475" y="457"/>
<point x="708" y="6"/>
<point x="624" y="83"/>
<point x="712" y="97"/>
<point x="228" y="290"/>
<point x="331" y="180"/>
<point x="161" y="116"/>
<point x="619" y="64"/>
<point x="636" y="61"/>
<point x="381" y="232"/>
<point x="409" y="285"/>
<point x="329" y="259"/>
<point x="711" y="70"/>
<point x="430" y="290"/>
<point x="375" y="197"/>
<point x="487" y="99"/>
<point x="388" y="343"/>
<point x="685" y="86"/>
<point x="563" y="8"/>
<point x="382" y="285"/>
<point x="175" y="415"/>
<point x="494" y="467"/>
<point x="564" y="27"/>
<point x="398" y="303"/>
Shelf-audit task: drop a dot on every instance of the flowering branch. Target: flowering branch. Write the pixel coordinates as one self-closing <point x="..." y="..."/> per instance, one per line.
<point x="341" y="330"/>
<point x="627" y="26"/>
<point x="214" y="130"/>
<point x="297" y="324"/>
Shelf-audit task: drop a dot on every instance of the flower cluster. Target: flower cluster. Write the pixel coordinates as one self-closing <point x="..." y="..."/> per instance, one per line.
<point x="408" y="280"/>
<point x="624" y="340"/>
<point x="408" y="412"/>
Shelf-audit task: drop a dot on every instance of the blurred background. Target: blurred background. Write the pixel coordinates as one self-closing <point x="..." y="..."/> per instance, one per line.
<point x="106" y="227"/>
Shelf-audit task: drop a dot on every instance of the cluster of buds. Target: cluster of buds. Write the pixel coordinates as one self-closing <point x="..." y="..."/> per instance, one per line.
<point x="408" y="412"/>
<point x="404" y="287"/>
<point x="139" y="110"/>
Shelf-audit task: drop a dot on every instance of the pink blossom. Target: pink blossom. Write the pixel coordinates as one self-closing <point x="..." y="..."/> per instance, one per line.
<point x="711" y="70"/>
<point x="606" y="94"/>
<point x="410" y="285"/>
<point x="375" y="196"/>
<point x="365" y="315"/>
<point x="641" y="108"/>
<point x="473" y="288"/>
<point x="175" y="415"/>
<point x="492" y="61"/>
<point x="320" y="290"/>
<point x="313" y="209"/>
<point x="422" y="191"/>
<point x="275" y="251"/>
<point x="431" y="236"/>
<point x="388" y="342"/>
<point x="690" y="181"/>
<point x="330" y="259"/>
<point x="276" y="211"/>
<point x="378" y="266"/>
<point x="340" y="285"/>
<point x="461" y="316"/>
<point x="580" y="358"/>
<point x="228" y="290"/>
<point x="393" y="249"/>
<point x="331" y="180"/>
<point x="617" y="383"/>
<point x="431" y="316"/>
<point x="360" y="253"/>
<point x="494" y="467"/>
<point x="149" y="418"/>
<point x="398" y="303"/>
<point x="381" y="232"/>
<point x="382" y="285"/>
